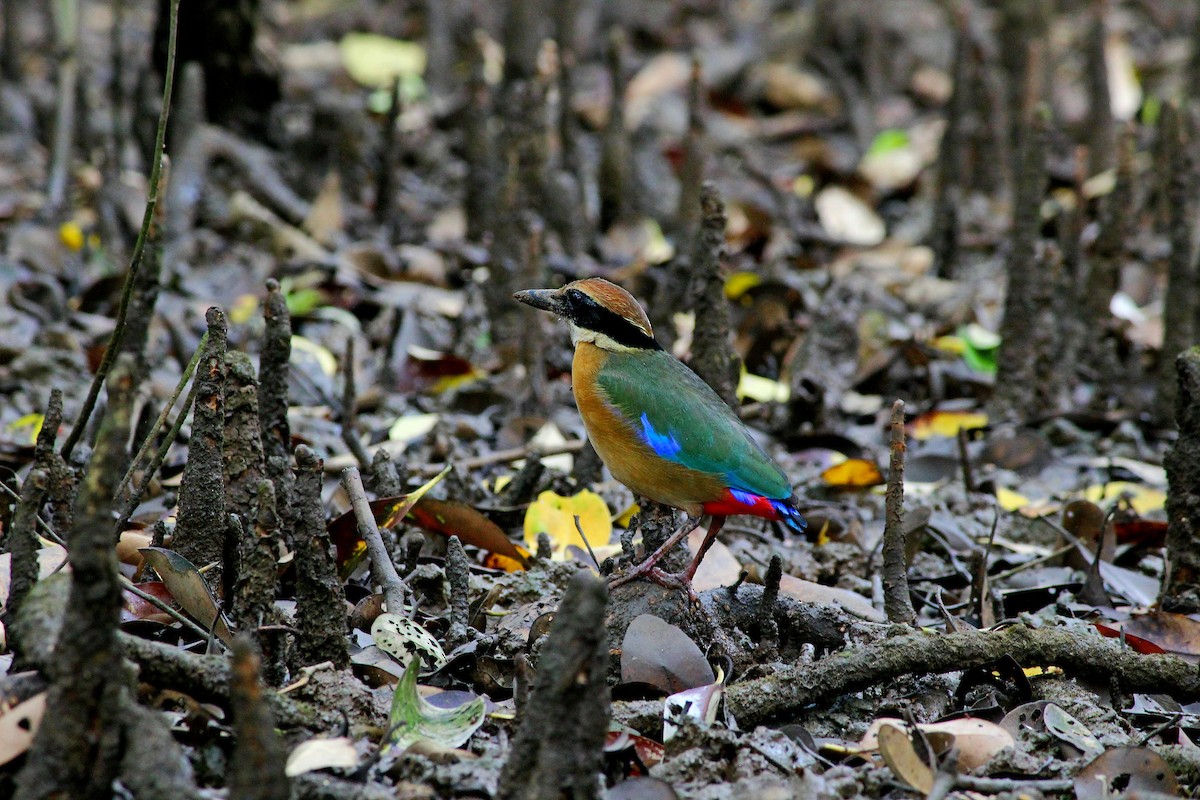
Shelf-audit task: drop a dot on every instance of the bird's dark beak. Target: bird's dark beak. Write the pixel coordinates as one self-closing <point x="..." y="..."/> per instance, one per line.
<point x="544" y="299"/>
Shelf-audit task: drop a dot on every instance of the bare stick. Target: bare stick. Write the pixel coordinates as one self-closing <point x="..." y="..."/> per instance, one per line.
<point x="383" y="571"/>
<point x="162" y="418"/>
<point x="896" y="601"/>
<point x="349" y="417"/>
<point x="135" y="261"/>
<point x="159" y="456"/>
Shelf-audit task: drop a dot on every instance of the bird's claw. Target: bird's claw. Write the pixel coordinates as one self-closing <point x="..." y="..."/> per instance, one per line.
<point x="668" y="580"/>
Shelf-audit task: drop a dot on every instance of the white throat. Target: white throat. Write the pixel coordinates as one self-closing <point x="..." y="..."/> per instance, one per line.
<point x="601" y="340"/>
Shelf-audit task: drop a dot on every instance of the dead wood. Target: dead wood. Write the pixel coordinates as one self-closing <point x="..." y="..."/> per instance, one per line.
<point x="1079" y="651"/>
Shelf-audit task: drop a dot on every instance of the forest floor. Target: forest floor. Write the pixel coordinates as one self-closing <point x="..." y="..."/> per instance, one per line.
<point x="825" y="208"/>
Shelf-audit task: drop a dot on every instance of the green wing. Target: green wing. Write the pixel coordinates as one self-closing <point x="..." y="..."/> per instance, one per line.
<point x="682" y="419"/>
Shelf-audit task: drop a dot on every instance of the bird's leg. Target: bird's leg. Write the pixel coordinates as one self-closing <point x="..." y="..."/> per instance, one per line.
<point x="714" y="528"/>
<point x="648" y="567"/>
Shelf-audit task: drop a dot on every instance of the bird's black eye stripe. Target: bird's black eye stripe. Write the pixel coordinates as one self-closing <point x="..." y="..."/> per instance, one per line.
<point x="587" y="313"/>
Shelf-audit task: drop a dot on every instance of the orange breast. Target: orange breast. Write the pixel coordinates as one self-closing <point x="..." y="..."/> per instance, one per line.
<point x="627" y="457"/>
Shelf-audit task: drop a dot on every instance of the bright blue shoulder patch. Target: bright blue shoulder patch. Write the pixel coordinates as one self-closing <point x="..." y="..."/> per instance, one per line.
<point x="664" y="444"/>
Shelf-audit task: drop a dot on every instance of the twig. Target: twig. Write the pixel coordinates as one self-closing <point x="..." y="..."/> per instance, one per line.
<point x="132" y="588"/>
<point x="1015" y="785"/>
<point x="162" y="418"/>
<point x="159" y="456"/>
<point x="349" y="415"/>
<point x="965" y="459"/>
<point x="139" y="248"/>
<point x="896" y="600"/>
<point x="586" y="543"/>
<point x="383" y="571"/>
<point x="66" y="38"/>
<point x="503" y="456"/>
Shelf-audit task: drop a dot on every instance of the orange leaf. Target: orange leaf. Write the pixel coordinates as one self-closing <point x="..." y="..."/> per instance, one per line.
<point x="853" y="473"/>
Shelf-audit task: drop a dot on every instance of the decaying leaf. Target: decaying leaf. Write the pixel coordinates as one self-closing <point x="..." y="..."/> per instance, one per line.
<point x="189" y="589"/>
<point x="1064" y="726"/>
<point x="811" y="592"/>
<point x="1125" y="769"/>
<point x="901" y="757"/>
<point x="661" y="655"/>
<point x="413" y="718"/>
<point x="977" y="740"/>
<point x="401" y="638"/>
<point x="18" y="726"/>
<point x="699" y="704"/>
<point x="322" y="753"/>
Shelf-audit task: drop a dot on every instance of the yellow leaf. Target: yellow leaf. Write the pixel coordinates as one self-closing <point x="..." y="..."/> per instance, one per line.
<point x="853" y="473"/>
<point x="946" y="423"/>
<point x="412" y="427"/>
<point x="739" y="283"/>
<point x="623" y="519"/>
<point x="71" y="235"/>
<point x="325" y="358"/>
<point x="762" y="390"/>
<point x="554" y="515"/>
<point x="31" y="422"/>
<point x="376" y="61"/>
<point x="1010" y="500"/>
<point x="1142" y="498"/>
<point x="243" y="309"/>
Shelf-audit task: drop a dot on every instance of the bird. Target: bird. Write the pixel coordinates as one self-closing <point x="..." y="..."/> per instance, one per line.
<point x="658" y="427"/>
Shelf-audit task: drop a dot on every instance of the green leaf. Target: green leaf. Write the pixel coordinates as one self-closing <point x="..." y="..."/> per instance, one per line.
<point x="376" y="61"/>
<point x="887" y="141"/>
<point x="303" y="302"/>
<point x="979" y="348"/>
<point x="414" y="719"/>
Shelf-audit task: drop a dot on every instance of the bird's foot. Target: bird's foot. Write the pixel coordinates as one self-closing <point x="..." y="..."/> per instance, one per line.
<point x="669" y="580"/>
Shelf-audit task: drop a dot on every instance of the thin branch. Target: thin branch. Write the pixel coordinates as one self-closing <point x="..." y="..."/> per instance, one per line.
<point x="157" y="461"/>
<point x="135" y="261"/>
<point x="383" y="571"/>
<point x="162" y="418"/>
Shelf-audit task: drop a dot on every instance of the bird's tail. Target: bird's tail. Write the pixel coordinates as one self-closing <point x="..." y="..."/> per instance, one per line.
<point x="790" y="515"/>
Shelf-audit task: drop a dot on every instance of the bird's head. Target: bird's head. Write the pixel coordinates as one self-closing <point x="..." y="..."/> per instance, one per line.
<point x="598" y="311"/>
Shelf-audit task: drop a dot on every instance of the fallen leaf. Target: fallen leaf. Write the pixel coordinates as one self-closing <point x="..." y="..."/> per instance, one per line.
<point x="809" y="592"/>
<point x="1124" y="770"/>
<point x="554" y="515"/>
<point x="18" y="726"/>
<point x="1064" y="726"/>
<point x="413" y="718"/>
<point x="945" y="423"/>
<point x="401" y="638"/>
<point x="1173" y="633"/>
<point x="1142" y="499"/>
<point x="376" y="61"/>
<point x="134" y="607"/>
<point x="978" y="741"/>
<point x="189" y="589"/>
<point x="853" y="473"/>
<point x="898" y="752"/>
<point x="699" y="704"/>
<point x="321" y="753"/>
<point x="847" y="218"/>
<point x="658" y="653"/>
<point x="452" y="518"/>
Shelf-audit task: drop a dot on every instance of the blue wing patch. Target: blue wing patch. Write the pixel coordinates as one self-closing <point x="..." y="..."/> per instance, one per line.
<point x="745" y="498"/>
<point x="664" y="444"/>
